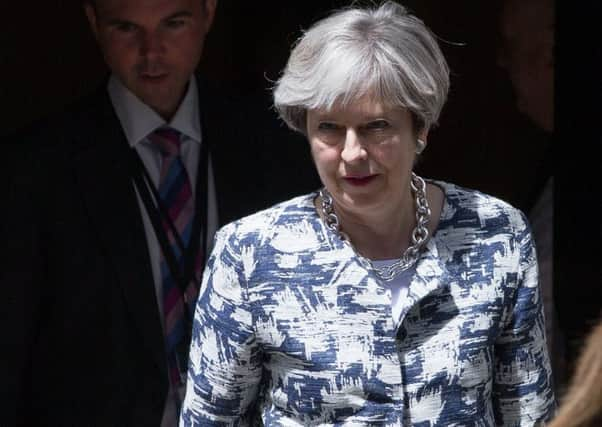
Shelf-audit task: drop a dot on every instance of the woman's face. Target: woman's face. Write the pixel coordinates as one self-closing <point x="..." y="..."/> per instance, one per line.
<point x="364" y="155"/>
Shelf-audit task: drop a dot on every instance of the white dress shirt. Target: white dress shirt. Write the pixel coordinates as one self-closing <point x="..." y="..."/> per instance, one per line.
<point x="138" y="120"/>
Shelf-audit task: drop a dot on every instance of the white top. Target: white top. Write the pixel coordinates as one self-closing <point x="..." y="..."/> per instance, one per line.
<point x="399" y="287"/>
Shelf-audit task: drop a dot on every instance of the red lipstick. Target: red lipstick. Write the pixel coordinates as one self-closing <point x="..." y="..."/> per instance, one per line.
<point x="359" y="181"/>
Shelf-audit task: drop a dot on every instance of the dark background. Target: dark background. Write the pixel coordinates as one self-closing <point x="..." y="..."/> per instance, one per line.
<point x="48" y="59"/>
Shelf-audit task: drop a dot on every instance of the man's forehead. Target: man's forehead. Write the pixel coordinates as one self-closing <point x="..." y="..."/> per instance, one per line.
<point x="141" y="8"/>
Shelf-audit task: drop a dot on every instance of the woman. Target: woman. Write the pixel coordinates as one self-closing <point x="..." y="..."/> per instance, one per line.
<point x="582" y="405"/>
<point x="382" y="298"/>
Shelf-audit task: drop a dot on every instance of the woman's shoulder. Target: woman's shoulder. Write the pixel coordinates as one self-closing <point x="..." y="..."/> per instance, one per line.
<point x="260" y="225"/>
<point x="464" y="207"/>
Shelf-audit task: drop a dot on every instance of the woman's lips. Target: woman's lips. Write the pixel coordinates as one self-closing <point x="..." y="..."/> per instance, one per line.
<point x="359" y="180"/>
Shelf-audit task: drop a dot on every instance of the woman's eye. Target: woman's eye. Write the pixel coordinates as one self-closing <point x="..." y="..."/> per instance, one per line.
<point x="326" y="126"/>
<point x="377" y="125"/>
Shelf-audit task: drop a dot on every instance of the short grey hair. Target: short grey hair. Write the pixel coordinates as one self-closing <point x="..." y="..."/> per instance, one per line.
<point x="382" y="51"/>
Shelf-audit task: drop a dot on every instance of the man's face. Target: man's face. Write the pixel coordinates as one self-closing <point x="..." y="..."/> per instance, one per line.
<point x="527" y="53"/>
<point x="153" y="46"/>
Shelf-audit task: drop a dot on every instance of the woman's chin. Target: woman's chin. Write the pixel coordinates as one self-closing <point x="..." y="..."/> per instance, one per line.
<point x="364" y="202"/>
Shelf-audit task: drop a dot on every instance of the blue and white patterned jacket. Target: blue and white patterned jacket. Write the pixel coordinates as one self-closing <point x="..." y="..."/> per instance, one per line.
<point x="290" y="327"/>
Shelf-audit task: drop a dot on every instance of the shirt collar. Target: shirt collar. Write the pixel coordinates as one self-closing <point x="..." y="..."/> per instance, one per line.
<point x="138" y="119"/>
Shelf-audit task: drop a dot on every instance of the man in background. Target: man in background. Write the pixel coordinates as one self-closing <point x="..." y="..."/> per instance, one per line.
<point x="527" y="54"/>
<point x="111" y="210"/>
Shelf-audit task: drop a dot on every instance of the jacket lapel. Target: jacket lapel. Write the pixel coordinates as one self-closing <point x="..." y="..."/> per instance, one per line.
<point x="102" y="172"/>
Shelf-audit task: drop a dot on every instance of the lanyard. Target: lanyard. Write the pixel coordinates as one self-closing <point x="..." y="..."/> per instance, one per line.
<point x="182" y="273"/>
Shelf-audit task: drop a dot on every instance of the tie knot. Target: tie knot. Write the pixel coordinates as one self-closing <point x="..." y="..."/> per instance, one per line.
<point x="167" y="140"/>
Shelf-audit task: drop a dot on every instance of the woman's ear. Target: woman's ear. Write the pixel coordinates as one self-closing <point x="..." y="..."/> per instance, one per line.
<point x="421" y="141"/>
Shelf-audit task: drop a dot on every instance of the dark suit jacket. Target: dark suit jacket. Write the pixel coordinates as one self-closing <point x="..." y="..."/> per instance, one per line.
<point x="83" y="342"/>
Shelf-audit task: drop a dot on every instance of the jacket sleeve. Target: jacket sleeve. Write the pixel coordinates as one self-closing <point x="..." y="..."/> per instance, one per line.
<point x="522" y="391"/>
<point x="225" y="365"/>
<point x="21" y="278"/>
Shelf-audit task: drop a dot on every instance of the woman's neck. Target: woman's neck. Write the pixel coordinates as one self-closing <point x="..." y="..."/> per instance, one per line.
<point x="386" y="233"/>
<point x="381" y="234"/>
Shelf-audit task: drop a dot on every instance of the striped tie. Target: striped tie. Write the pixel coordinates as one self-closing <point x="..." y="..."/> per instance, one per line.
<point x="176" y="193"/>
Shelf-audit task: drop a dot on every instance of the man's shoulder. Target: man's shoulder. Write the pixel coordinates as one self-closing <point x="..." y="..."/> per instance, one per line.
<point x="91" y="111"/>
<point x="251" y="108"/>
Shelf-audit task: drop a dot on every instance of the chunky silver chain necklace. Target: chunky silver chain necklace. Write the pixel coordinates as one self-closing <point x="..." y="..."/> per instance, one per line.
<point x="420" y="234"/>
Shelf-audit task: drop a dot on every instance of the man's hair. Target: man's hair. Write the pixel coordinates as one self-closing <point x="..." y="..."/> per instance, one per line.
<point x="94" y="2"/>
<point x="383" y="52"/>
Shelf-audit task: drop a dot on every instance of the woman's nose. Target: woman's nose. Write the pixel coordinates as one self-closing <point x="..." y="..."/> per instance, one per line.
<point x="353" y="150"/>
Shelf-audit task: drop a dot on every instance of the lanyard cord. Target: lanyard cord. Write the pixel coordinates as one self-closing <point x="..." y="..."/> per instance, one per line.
<point x="157" y="212"/>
